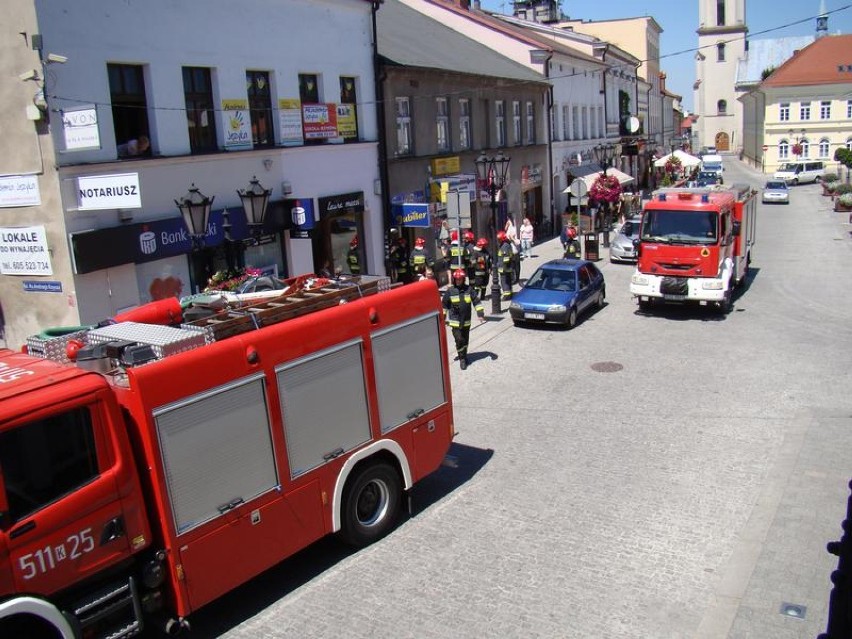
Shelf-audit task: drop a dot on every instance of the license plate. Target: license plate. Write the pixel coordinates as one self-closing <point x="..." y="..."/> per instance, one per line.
<point x="538" y="316"/>
<point x="674" y="298"/>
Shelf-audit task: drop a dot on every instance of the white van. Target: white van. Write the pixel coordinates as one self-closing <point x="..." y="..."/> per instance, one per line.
<point x="800" y="172"/>
<point x="711" y="163"/>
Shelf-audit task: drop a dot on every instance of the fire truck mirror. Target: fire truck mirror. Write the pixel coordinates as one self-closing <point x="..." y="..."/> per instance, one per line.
<point x="736" y="229"/>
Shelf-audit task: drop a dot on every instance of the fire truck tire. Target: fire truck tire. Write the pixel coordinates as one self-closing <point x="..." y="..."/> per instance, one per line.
<point x="727" y="304"/>
<point x="371" y="504"/>
<point x="571" y="322"/>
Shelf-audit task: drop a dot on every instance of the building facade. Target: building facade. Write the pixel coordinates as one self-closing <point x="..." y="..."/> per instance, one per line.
<point x="216" y="113"/>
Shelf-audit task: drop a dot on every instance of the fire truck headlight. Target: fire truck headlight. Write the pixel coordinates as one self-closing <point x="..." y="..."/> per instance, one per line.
<point x="712" y="285"/>
<point x="639" y="280"/>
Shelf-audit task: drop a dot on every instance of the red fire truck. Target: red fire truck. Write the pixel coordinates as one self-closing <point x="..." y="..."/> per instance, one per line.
<point x="147" y="469"/>
<point x="695" y="245"/>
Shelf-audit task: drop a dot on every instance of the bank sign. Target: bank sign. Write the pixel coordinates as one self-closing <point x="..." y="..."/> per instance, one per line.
<point x="109" y="192"/>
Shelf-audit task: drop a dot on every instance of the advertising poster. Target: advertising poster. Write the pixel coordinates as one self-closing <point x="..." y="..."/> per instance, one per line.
<point x="19" y="190"/>
<point x="347" y="126"/>
<point x="23" y="251"/>
<point x="319" y="121"/>
<point x="237" y="123"/>
<point x="80" y="128"/>
<point x="290" y="121"/>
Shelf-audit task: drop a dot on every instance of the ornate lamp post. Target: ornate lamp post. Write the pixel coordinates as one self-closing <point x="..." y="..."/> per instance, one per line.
<point x="255" y="199"/>
<point x="195" y="210"/>
<point x="604" y="154"/>
<point x="492" y="171"/>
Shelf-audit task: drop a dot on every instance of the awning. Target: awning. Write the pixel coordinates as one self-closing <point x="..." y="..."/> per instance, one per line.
<point x="686" y="160"/>
<point x="590" y="178"/>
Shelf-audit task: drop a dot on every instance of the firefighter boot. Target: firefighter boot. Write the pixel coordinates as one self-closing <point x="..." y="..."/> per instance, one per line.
<point x="463" y="362"/>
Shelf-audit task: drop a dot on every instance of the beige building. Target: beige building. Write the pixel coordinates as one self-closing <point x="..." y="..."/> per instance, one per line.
<point x="805" y="106"/>
<point x="721" y="45"/>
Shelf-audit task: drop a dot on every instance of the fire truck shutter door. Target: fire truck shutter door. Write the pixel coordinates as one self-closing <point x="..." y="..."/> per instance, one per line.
<point x="409" y="375"/>
<point x="231" y="427"/>
<point x="324" y="404"/>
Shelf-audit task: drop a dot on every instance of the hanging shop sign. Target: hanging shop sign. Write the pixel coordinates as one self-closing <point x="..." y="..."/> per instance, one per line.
<point x="237" y="123"/>
<point x="301" y="213"/>
<point x="411" y="215"/>
<point x="343" y="204"/>
<point x="445" y="166"/>
<point x="95" y="193"/>
<point x="19" y="190"/>
<point x="80" y="128"/>
<point x="23" y="251"/>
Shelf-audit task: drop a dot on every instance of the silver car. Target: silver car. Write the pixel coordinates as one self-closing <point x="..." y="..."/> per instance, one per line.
<point x="621" y="249"/>
<point x="776" y="192"/>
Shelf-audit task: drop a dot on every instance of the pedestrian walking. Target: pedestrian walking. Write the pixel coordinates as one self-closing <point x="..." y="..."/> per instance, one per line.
<point x="460" y="301"/>
<point x="505" y="265"/>
<point x="526" y="235"/>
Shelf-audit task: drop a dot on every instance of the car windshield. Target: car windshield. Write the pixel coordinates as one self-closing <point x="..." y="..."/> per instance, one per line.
<point x="549" y="279"/>
<point x="680" y="227"/>
<point x="630" y="228"/>
<point x="776" y="185"/>
<point x="712" y="165"/>
<point x="787" y="167"/>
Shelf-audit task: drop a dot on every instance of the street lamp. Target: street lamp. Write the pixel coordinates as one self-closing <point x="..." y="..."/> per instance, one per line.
<point x="492" y="171"/>
<point x="604" y="154"/>
<point x="195" y="209"/>
<point x="255" y="199"/>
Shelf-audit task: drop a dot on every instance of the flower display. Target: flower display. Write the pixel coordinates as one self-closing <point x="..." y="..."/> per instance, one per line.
<point x="673" y="165"/>
<point x="797" y="149"/>
<point x="230" y="280"/>
<point x="605" y="189"/>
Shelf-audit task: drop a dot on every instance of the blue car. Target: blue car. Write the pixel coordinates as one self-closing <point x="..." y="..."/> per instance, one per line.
<point x="558" y="292"/>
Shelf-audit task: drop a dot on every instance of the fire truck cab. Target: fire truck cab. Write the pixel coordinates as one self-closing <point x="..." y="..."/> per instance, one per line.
<point x="694" y="246"/>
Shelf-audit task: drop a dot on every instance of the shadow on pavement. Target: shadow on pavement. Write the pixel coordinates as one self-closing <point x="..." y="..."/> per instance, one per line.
<point x="465" y="463"/>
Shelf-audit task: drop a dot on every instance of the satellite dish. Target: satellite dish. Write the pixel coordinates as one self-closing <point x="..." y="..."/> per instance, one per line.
<point x="633" y="124"/>
<point x="578" y="188"/>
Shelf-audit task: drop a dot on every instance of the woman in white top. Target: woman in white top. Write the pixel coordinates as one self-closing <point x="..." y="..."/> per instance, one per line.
<point x="526" y="236"/>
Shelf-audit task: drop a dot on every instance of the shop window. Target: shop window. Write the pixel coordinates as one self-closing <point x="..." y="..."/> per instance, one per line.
<point x="500" y="122"/>
<point x="465" y="141"/>
<point x="260" y="108"/>
<point x="403" y="126"/>
<point x="530" y="123"/>
<point x="200" y="114"/>
<point x="349" y="97"/>
<point x="129" y="104"/>
<point x="516" y="122"/>
<point x="442" y="124"/>
<point x="46" y="459"/>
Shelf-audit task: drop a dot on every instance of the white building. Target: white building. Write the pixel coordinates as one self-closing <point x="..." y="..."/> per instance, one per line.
<point x="224" y="93"/>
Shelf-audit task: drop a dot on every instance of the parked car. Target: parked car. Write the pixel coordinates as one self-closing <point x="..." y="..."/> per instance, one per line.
<point x="621" y="248"/>
<point x="800" y="172"/>
<point x="708" y="178"/>
<point x="776" y="191"/>
<point x="558" y="292"/>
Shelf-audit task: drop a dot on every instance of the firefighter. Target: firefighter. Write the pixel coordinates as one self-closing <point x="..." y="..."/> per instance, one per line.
<point x="481" y="267"/>
<point x="419" y="260"/>
<point x="505" y="264"/>
<point x="572" y="244"/>
<point x="460" y="300"/>
<point x="353" y="259"/>
<point x="399" y="259"/>
<point x="469" y="245"/>
<point x="459" y="257"/>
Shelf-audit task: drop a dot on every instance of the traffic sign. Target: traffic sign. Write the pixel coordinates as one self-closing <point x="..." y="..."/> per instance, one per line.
<point x="458" y="209"/>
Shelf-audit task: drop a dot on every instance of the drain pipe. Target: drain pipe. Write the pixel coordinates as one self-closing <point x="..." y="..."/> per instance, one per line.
<point x="384" y="179"/>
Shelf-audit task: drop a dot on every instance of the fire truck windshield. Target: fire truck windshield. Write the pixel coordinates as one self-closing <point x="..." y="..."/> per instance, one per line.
<point x="680" y="227"/>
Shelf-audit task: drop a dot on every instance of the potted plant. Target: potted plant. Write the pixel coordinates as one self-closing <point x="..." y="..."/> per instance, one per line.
<point x="230" y="280"/>
<point x="843" y="203"/>
<point x="828" y="182"/>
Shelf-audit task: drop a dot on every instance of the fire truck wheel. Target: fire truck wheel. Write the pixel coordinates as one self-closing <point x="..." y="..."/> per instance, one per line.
<point x="727" y="303"/>
<point x="572" y="318"/>
<point x="371" y="504"/>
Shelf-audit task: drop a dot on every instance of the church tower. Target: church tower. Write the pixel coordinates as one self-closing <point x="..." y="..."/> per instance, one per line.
<point x="721" y="45"/>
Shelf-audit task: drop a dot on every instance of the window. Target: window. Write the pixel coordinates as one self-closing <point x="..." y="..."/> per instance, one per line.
<point x="720" y="13"/>
<point x="575" y="122"/>
<point x="849" y="108"/>
<point x="849" y="144"/>
<point x="260" y="108"/>
<point x="566" y="123"/>
<point x="806" y="148"/>
<point x="530" y="123"/>
<point x="823" y="148"/>
<point x="129" y="106"/>
<point x="825" y="110"/>
<point x="347" y="110"/>
<point x="200" y="115"/>
<point x="464" y="124"/>
<point x="46" y="459"/>
<point x="602" y="121"/>
<point x="403" y="126"/>
<point x="722" y="107"/>
<point x="442" y="124"/>
<point x="784" y="111"/>
<point x="805" y="111"/>
<point x="309" y="88"/>
<point x="783" y="150"/>
<point x="500" y="122"/>
<point x="584" y="123"/>
<point x="720" y="52"/>
<point x="516" y="122"/>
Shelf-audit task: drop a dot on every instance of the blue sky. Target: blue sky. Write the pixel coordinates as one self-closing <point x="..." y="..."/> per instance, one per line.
<point x="764" y="19"/>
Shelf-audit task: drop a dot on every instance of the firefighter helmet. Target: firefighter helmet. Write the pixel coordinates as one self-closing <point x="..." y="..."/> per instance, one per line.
<point x="419" y="242"/>
<point x="454" y="236"/>
<point x="482" y="242"/>
<point x="501" y="236"/>
<point x="459" y="276"/>
<point x="469" y="236"/>
<point x="353" y="243"/>
<point x="572" y="233"/>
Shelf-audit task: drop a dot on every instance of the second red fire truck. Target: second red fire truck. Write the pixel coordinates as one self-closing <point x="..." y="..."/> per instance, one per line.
<point x="694" y="246"/>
